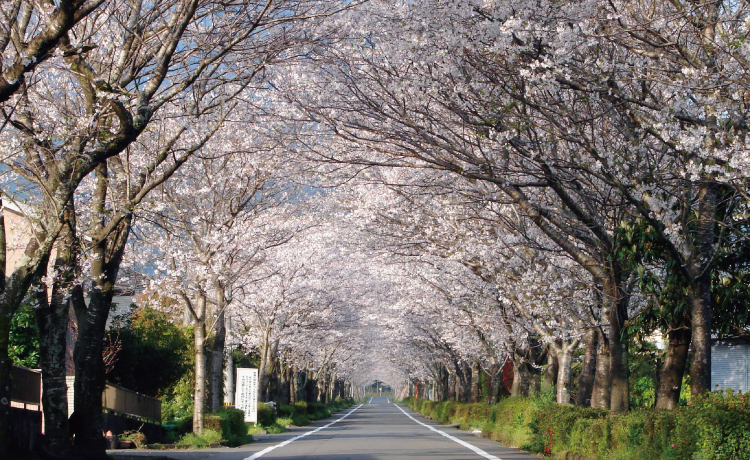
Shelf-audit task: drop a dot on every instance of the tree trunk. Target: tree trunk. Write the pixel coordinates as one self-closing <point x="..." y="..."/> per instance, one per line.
<point x="700" y="291"/>
<point x="229" y="380"/>
<point x="700" y="319"/>
<point x="293" y="385"/>
<point x="216" y="388"/>
<point x="588" y="368"/>
<point x="87" y="355"/>
<point x="475" y="383"/>
<point x="520" y="386"/>
<point x="670" y="380"/>
<point x="199" y="348"/>
<point x="565" y="359"/>
<point x="267" y="359"/>
<point x="284" y="384"/>
<point x="52" y="318"/>
<point x="553" y="366"/>
<point x="452" y="388"/>
<point x="618" y="353"/>
<point x="601" y="393"/>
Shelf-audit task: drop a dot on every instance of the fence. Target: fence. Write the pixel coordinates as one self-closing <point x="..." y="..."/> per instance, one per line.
<point x="26" y="389"/>
<point x="27" y="386"/>
<point x="131" y="403"/>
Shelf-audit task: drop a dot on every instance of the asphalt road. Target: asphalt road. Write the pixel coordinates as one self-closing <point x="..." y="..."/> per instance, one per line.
<point x="375" y="430"/>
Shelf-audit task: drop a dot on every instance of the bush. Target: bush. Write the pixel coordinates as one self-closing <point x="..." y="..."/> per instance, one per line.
<point x="266" y="415"/>
<point x="711" y="427"/>
<point x="287" y="410"/>
<point x="233" y="426"/>
<point x="208" y="436"/>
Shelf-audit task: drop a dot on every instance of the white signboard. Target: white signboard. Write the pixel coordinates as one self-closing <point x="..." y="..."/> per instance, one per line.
<point x="246" y="393"/>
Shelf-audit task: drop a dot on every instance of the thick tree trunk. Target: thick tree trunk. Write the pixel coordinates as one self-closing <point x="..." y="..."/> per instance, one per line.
<point x="700" y="319"/>
<point x="618" y="353"/>
<point x="565" y="359"/>
<point x="229" y="380"/>
<point x="199" y="393"/>
<point x="520" y="386"/>
<point x="284" y="384"/>
<point x="216" y="387"/>
<point x="601" y="393"/>
<point x="550" y="374"/>
<point x="293" y="385"/>
<point x="588" y="368"/>
<point x="89" y="365"/>
<point x="670" y="380"/>
<point x="475" y="393"/>
<point x="199" y="349"/>
<point x="700" y="291"/>
<point x="453" y="387"/>
<point x="52" y="318"/>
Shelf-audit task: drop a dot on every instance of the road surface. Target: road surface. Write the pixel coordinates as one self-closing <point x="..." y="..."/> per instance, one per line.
<point x="375" y="430"/>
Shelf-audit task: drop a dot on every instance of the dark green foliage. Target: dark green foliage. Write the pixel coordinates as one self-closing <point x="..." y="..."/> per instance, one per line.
<point x="155" y="352"/>
<point x="156" y="359"/>
<point x="266" y="415"/>
<point x="23" y="347"/>
<point x="287" y="410"/>
<point x="232" y="426"/>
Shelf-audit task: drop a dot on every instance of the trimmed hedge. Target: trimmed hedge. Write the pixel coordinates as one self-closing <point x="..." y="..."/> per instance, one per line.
<point x="715" y="426"/>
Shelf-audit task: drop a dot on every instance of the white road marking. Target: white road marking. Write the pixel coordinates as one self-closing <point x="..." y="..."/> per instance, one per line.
<point x="289" y="441"/>
<point x="370" y="402"/>
<point x="476" y="450"/>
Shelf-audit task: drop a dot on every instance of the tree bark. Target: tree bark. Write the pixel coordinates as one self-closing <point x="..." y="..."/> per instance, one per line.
<point x="588" y="368"/>
<point x="670" y="380"/>
<point x="475" y="383"/>
<point x="199" y="348"/>
<point x="550" y="374"/>
<point x="564" y="352"/>
<point x="618" y="353"/>
<point x="601" y="393"/>
<point x="229" y="380"/>
<point x="216" y="387"/>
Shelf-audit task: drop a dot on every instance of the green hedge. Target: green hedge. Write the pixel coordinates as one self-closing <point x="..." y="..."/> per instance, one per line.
<point x="712" y="427"/>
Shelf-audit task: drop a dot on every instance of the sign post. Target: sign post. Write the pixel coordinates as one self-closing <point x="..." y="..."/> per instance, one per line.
<point x="246" y="393"/>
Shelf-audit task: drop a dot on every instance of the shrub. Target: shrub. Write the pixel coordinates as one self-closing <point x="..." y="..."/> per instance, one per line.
<point x="233" y="426"/>
<point x="208" y="436"/>
<point x="266" y="415"/>
<point x="287" y="410"/>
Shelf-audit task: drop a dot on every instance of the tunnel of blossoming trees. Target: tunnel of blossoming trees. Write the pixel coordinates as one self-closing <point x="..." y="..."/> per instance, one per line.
<point x="448" y="200"/>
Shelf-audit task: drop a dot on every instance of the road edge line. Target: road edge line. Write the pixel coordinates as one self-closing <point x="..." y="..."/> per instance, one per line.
<point x="473" y="448"/>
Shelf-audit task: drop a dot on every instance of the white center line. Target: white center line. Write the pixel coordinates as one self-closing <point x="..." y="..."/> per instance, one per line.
<point x="289" y="441"/>
<point x="476" y="450"/>
<point x="370" y="401"/>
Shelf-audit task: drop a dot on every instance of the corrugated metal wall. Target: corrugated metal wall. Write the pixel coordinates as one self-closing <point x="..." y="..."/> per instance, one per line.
<point x="729" y="366"/>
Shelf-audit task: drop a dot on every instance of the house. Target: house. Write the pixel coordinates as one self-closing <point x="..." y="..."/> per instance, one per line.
<point x="730" y="364"/>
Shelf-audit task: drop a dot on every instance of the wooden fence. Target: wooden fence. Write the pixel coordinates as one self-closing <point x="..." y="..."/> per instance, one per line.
<point x="124" y="401"/>
<point x="27" y="386"/>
